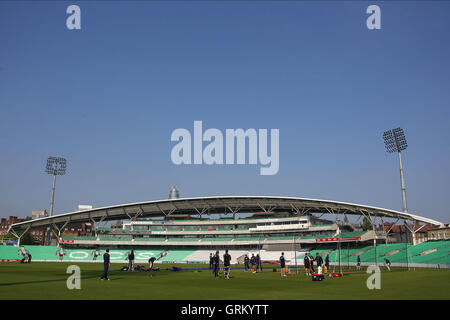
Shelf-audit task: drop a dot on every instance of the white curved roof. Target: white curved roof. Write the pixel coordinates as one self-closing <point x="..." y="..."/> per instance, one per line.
<point x="218" y="205"/>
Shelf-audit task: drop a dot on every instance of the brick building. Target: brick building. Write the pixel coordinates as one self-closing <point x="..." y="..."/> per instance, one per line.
<point x="439" y="233"/>
<point x="6" y="222"/>
<point x="38" y="236"/>
<point x="399" y="233"/>
<point x="81" y="229"/>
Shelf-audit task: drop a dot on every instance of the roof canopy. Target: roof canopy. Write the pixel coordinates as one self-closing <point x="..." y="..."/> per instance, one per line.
<point x="217" y="205"/>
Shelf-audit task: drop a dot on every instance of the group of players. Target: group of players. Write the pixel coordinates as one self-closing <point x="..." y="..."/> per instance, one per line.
<point x="214" y="264"/>
<point x="61" y="253"/>
<point x="255" y="261"/>
<point x="309" y="261"/>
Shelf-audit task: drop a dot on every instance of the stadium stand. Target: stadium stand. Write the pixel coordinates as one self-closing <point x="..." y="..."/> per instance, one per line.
<point x="175" y="239"/>
<point x="249" y="238"/>
<point x="155" y="239"/>
<point x="351" y="234"/>
<point x="121" y="238"/>
<point x="80" y="238"/>
<point x="216" y="239"/>
<point x="425" y="252"/>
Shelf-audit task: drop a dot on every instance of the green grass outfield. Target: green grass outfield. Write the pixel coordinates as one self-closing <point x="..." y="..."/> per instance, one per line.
<point x="48" y="281"/>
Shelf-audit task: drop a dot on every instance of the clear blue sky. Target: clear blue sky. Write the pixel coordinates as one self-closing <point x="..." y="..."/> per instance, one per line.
<point x="107" y="98"/>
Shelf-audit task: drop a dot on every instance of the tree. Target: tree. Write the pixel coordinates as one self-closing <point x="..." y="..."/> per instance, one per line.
<point x="9" y="236"/>
<point x="367" y="224"/>
<point x="27" y="238"/>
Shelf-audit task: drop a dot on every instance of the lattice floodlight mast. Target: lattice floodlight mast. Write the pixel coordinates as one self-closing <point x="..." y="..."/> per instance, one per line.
<point x="395" y="141"/>
<point x="56" y="167"/>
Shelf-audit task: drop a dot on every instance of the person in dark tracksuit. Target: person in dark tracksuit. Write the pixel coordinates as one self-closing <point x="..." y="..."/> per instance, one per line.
<point x="327" y="263"/>
<point x="216" y="261"/>
<point x="319" y="262"/>
<point x="258" y="263"/>
<point x="311" y="263"/>
<point x="283" y="265"/>
<point x="253" y="262"/>
<point x="211" y="261"/>
<point x="226" y="264"/>
<point x="307" y="265"/>
<point x="246" y="263"/>
<point x="106" y="264"/>
<point x="131" y="261"/>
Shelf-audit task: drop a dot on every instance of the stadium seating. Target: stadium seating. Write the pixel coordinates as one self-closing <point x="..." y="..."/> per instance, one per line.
<point x="248" y="238"/>
<point x="183" y="239"/>
<point x="351" y="234"/>
<point x="289" y="238"/>
<point x="80" y="238"/>
<point x="396" y="253"/>
<point x="104" y="229"/>
<point x="216" y="239"/>
<point x="114" y="238"/>
<point x="154" y="239"/>
<point x="425" y="253"/>
<point x="322" y="225"/>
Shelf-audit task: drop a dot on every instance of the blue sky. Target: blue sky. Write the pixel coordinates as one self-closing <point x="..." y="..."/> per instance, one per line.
<point x="108" y="96"/>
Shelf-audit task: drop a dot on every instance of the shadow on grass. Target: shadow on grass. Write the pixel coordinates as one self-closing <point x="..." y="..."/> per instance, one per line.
<point x="91" y="275"/>
<point x="48" y="281"/>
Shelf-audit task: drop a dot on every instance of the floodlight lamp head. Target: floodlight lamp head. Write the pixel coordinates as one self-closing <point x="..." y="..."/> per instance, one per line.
<point x="400" y="139"/>
<point x="56" y="166"/>
<point x="389" y="141"/>
<point x="395" y="140"/>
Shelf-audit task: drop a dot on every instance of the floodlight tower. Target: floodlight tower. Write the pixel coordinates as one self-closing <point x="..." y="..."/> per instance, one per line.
<point x="56" y="167"/>
<point x="395" y="141"/>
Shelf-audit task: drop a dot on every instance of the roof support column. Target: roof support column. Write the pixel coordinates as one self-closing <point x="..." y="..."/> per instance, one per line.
<point x="201" y="212"/>
<point x="372" y="222"/>
<point x="233" y="211"/>
<point x="17" y="236"/>
<point x="336" y="220"/>
<point x="94" y="228"/>
<point x="405" y="222"/>
<point x="58" y="235"/>
<point x="413" y="231"/>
